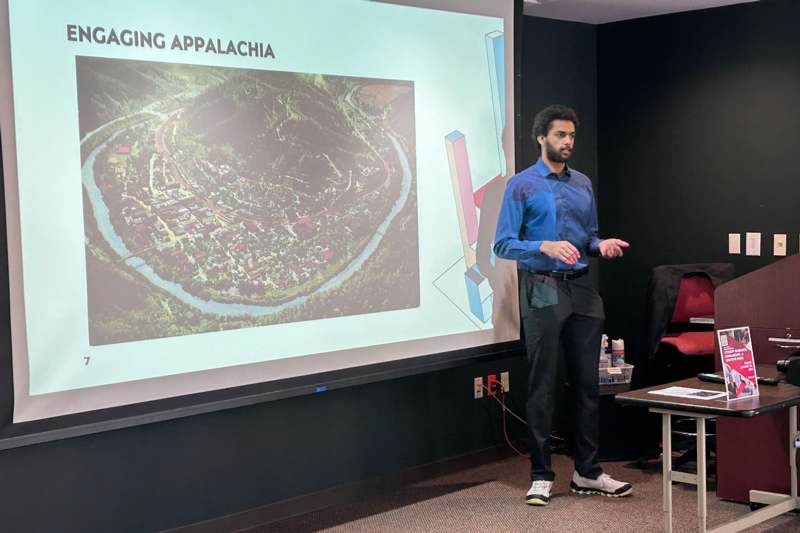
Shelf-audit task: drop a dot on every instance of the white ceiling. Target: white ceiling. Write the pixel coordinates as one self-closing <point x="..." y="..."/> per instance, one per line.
<point x="602" y="11"/>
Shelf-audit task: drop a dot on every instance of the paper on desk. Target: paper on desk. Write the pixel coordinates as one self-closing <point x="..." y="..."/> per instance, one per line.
<point x="687" y="392"/>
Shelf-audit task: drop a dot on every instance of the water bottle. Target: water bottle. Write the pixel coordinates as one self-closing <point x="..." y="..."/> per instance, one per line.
<point x="617" y="352"/>
<point x="605" y="359"/>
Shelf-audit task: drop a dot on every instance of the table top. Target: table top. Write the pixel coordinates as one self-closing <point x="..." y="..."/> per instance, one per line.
<point x="771" y="397"/>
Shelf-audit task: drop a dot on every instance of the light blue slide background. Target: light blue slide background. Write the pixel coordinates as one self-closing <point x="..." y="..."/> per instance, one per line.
<point x="443" y="53"/>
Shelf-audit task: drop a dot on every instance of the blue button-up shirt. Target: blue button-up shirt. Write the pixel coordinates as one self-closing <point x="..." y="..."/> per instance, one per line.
<point x="539" y="205"/>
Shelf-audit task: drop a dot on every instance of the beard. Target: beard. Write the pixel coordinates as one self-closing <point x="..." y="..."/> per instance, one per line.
<point x="556" y="156"/>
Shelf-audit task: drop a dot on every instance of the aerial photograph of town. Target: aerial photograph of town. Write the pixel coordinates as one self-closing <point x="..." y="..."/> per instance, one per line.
<point x="219" y="198"/>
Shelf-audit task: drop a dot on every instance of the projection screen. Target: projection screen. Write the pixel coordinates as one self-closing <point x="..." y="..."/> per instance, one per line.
<point x="203" y="195"/>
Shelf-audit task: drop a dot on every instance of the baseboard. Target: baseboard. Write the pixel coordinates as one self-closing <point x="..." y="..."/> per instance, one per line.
<point x="342" y="494"/>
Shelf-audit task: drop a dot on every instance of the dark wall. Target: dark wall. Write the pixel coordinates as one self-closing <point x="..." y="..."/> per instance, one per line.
<point x="178" y="472"/>
<point x="161" y="475"/>
<point x="560" y="67"/>
<point x="699" y="132"/>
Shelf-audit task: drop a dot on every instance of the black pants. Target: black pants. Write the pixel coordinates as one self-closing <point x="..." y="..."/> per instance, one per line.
<point x="569" y="314"/>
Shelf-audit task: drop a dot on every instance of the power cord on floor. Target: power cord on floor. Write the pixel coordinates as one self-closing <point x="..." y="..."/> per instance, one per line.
<point x="493" y="394"/>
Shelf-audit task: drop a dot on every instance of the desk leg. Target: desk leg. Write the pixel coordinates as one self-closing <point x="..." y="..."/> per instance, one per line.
<point x="701" y="475"/>
<point x="666" y="466"/>
<point x="793" y="451"/>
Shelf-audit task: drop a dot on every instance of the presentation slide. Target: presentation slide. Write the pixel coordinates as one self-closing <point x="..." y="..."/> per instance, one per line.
<point x="203" y="195"/>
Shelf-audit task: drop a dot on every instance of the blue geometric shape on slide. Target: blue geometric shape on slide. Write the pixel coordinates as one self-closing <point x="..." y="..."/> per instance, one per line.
<point x="479" y="293"/>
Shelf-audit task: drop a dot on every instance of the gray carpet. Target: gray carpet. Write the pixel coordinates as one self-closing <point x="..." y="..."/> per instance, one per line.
<point x="490" y="498"/>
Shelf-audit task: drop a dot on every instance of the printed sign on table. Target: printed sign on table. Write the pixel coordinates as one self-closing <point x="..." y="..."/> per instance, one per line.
<point x="738" y="362"/>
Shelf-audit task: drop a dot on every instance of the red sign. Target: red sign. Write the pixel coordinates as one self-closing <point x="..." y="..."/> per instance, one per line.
<point x="738" y="362"/>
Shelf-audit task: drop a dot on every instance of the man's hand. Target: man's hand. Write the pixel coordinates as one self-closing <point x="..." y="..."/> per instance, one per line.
<point x="562" y="251"/>
<point x="610" y="248"/>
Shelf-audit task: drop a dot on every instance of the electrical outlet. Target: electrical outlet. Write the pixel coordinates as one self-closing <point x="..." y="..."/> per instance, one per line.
<point x="492" y="384"/>
<point x="478" y="388"/>
<point x="505" y="381"/>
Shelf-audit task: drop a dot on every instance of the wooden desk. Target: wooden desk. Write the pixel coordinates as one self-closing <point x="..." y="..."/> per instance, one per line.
<point x="772" y="398"/>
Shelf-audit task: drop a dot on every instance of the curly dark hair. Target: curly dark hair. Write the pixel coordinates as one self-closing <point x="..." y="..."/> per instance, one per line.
<point x="544" y="119"/>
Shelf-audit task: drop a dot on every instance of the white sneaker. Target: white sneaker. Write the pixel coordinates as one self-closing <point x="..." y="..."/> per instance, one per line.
<point x="605" y="485"/>
<point x="539" y="493"/>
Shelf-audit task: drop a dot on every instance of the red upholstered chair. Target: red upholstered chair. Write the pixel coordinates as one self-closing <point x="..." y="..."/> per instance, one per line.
<point x="695" y="300"/>
<point x="693" y="350"/>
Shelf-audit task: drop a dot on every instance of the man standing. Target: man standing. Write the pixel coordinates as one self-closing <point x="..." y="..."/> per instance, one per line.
<point x="548" y="225"/>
